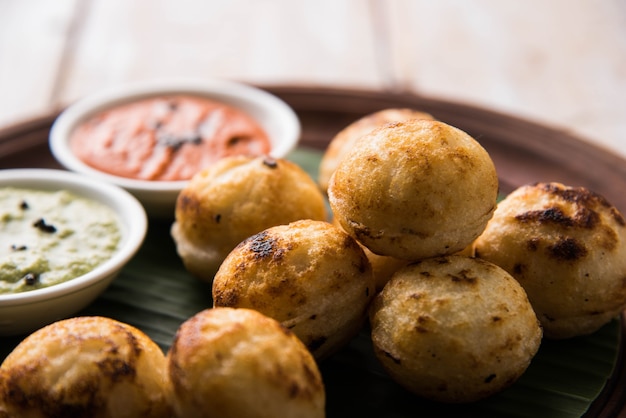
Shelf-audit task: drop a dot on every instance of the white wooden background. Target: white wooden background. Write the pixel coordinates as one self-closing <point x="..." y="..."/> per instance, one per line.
<point x="558" y="62"/>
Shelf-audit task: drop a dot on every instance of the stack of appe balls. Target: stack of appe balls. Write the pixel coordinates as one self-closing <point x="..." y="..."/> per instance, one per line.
<point x="447" y="327"/>
<point x="257" y="229"/>
<point x="469" y="287"/>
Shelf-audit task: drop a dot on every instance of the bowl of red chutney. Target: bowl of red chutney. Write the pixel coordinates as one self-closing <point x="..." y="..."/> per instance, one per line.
<point x="151" y="137"/>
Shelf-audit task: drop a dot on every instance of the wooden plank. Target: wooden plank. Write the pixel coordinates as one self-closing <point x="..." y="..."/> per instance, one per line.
<point x="32" y="38"/>
<point x="318" y="42"/>
<point x="559" y="62"/>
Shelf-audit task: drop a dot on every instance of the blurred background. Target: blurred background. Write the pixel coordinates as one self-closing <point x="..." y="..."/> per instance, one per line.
<point x="559" y="62"/>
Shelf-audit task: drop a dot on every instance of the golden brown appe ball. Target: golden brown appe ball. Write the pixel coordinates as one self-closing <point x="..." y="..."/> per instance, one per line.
<point x="309" y="275"/>
<point x="88" y="367"/>
<point x="234" y="199"/>
<point x="342" y="143"/>
<point x="415" y="189"/>
<point x="383" y="266"/>
<point x="454" y="329"/>
<point x="567" y="247"/>
<point x="238" y="363"/>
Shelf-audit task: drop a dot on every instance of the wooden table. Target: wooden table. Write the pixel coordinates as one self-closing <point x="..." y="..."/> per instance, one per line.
<point x="558" y="62"/>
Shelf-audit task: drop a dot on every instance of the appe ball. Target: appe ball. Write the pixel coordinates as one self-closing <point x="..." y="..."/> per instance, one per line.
<point x="567" y="247"/>
<point x="454" y="329"/>
<point x="343" y="142"/>
<point x="238" y="363"/>
<point x="310" y="276"/>
<point x="382" y="266"/>
<point x="414" y="190"/>
<point x="92" y="367"/>
<point x="234" y="199"/>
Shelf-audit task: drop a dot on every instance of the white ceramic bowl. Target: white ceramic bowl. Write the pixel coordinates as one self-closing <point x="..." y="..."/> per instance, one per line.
<point x="159" y="197"/>
<point x="26" y="311"/>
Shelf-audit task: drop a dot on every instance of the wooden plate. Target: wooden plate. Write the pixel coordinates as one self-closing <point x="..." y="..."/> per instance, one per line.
<point x="523" y="152"/>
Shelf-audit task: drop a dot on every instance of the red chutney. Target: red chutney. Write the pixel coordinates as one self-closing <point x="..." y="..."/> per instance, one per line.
<point x="166" y="138"/>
